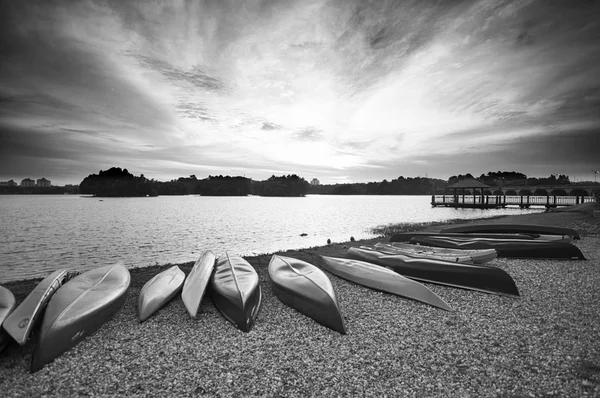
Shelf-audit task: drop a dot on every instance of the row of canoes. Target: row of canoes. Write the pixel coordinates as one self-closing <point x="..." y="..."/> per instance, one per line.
<point x="73" y="306"/>
<point x="509" y="240"/>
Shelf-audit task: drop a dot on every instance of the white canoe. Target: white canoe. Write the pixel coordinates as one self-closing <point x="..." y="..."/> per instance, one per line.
<point x="22" y="320"/>
<point x="79" y="308"/>
<point x="196" y="282"/>
<point x="381" y="278"/>
<point x="7" y="305"/>
<point x="159" y="290"/>
<point x="481" y="256"/>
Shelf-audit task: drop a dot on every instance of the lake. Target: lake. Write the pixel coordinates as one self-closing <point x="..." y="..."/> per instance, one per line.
<point x="41" y="233"/>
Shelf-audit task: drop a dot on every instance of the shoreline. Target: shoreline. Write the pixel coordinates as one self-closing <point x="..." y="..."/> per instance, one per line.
<point x="541" y="344"/>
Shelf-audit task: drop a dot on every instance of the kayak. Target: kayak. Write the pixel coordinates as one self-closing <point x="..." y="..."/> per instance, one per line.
<point x="235" y="291"/>
<point x="79" y="308"/>
<point x="510" y="248"/>
<point x="513" y="228"/>
<point x="382" y="279"/>
<point x="159" y="290"/>
<point x="467" y="276"/>
<point x="25" y="317"/>
<point x="406" y="236"/>
<point x="307" y="289"/>
<point x="7" y="305"/>
<point x="196" y="282"/>
<point x="438" y="253"/>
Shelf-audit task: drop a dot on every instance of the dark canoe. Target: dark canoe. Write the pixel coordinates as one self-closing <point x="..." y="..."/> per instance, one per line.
<point x="512" y="228"/>
<point x="467" y="276"/>
<point x="382" y="279"/>
<point x="79" y="308"/>
<point x="438" y="253"/>
<point x="307" y="289"/>
<point x="159" y="290"/>
<point x="511" y="248"/>
<point x="25" y="317"/>
<point x="196" y="282"/>
<point x="7" y="305"/>
<point x="235" y="291"/>
<point x="406" y="236"/>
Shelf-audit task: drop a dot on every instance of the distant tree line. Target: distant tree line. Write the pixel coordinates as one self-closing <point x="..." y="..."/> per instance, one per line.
<point x="53" y="190"/>
<point x="116" y="182"/>
<point x="290" y="185"/>
<point x="119" y="182"/>
<point x="497" y="178"/>
<point x="398" y="186"/>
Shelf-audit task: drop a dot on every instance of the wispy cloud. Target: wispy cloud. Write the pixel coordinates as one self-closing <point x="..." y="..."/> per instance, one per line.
<point x="340" y="90"/>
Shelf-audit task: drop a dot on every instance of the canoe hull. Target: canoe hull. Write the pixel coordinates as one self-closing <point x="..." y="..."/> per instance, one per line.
<point x="79" y="308"/>
<point x="197" y="281"/>
<point x="512" y="228"/>
<point x="159" y="290"/>
<point x="382" y="279"/>
<point x="515" y="249"/>
<point x="407" y="236"/>
<point x="466" y="276"/>
<point x="438" y="253"/>
<point x="25" y="317"/>
<point x="307" y="289"/>
<point x="7" y="306"/>
<point x="235" y="292"/>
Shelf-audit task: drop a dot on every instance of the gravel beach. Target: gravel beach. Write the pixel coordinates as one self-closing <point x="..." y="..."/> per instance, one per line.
<point x="543" y="344"/>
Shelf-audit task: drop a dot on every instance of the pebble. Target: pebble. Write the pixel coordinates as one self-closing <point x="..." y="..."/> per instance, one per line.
<point x="490" y="346"/>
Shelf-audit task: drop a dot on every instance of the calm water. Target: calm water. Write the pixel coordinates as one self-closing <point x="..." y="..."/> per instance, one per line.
<point x="39" y="234"/>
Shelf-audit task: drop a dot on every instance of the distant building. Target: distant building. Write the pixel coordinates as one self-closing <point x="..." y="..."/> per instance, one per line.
<point x="28" y="182"/>
<point x="43" y="183"/>
<point x="9" y="183"/>
<point x="314" y="182"/>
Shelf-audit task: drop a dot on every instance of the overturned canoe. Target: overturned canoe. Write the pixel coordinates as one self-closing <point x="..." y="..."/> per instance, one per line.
<point x="79" y="308"/>
<point x="22" y="320"/>
<point x="7" y="305"/>
<point x="307" y="289"/>
<point x="159" y="290"/>
<point x="196" y="282"/>
<point x="380" y="278"/>
<point x="510" y="248"/>
<point x="235" y="291"/>
<point x="438" y="253"/>
<point x="466" y="276"/>
<point x="512" y="228"/>
<point x="407" y="236"/>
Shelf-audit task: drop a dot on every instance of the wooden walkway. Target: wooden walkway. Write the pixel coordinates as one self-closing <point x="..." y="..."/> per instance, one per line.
<point x="496" y="201"/>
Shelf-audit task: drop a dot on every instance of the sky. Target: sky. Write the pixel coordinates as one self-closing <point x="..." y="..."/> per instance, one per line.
<point x="339" y="90"/>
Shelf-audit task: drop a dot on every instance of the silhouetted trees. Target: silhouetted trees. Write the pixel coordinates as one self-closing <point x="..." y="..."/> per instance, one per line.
<point x="290" y="185"/>
<point x="399" y="186"/>
<point x="225" y="186"/>
<point x="495" y="178"/>
<point x="116" y="182"/>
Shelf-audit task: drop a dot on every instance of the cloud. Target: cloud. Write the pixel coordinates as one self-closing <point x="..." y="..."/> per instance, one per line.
<point x="342" y="89"/>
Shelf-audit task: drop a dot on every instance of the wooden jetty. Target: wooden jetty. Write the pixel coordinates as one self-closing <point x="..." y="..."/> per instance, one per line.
<point x="496" y="201"/>
<point x="469" y="193"/>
